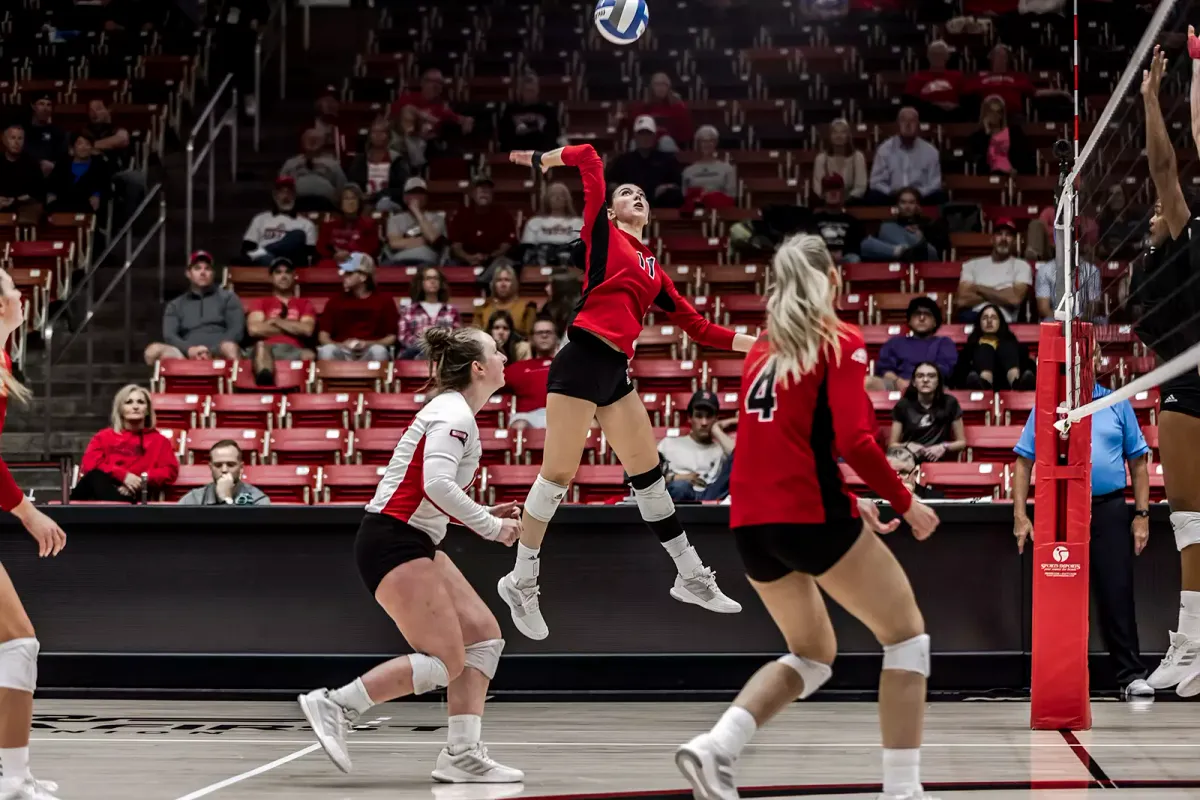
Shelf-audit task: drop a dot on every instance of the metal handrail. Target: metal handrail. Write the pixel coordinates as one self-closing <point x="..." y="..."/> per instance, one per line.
<point x="215" y="127"/>
<point x="276" y="27"/>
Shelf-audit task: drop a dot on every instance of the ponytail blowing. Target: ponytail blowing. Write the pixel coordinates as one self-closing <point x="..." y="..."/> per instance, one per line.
<point x="801" y="314"/>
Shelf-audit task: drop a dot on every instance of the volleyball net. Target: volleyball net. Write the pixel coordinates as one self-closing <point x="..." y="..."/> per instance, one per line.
<point x="1115" y="308"/>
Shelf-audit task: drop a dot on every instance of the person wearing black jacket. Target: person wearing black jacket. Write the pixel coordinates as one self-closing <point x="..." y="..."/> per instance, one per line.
<point x="910" y="236"/>
<point x="842" y="232"/>
<point x="998" y="148"/>
<point x="993" y="358"/>
<point x="529" y="123"/>
<point x="656" y="173"/>
<point x="80" y="184"/>
<point x="22" y="184"/>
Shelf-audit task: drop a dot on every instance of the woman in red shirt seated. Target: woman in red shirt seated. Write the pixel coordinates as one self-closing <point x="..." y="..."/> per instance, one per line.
<point x="129" y="458"/>
<point x="352" y="230"/>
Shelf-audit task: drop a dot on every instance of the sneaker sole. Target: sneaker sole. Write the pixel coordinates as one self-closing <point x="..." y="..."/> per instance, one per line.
<point x="525" y="630"/>
<point x="692" y="769"/>
<point x="443" y="777"/>
<point x="691" y="599"/>
<point x="1189" y="686"/>
<point x="321" y="739"/>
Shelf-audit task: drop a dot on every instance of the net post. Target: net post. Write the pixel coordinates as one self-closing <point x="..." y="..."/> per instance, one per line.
<point x="1059" y="681"/>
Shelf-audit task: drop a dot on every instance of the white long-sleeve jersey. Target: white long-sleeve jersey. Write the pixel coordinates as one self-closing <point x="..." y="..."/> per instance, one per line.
<point x="435" y="460"/>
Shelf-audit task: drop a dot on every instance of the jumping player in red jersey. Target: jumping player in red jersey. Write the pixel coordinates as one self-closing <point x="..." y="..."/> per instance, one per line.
<point x="18" y="641"/>
<point x="589" y="379"/>
<point x="798" y="528"/>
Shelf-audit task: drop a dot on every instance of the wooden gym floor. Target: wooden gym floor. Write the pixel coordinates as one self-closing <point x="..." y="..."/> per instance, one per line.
<point x="150" y="750"/>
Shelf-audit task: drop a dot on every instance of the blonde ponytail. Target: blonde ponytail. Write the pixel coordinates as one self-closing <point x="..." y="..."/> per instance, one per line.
<point x="13" y="388"/>
<point x="801" y="315"/>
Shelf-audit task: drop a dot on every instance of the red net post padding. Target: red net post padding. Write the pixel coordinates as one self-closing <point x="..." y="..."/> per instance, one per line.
<point x="1062" y="522"/>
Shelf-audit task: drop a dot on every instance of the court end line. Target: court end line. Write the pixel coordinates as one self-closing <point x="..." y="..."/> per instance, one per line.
<point x="279" y="762"/>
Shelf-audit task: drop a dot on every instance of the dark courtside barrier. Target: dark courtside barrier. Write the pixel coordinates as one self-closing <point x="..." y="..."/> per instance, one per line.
<point x="263" y="600"/>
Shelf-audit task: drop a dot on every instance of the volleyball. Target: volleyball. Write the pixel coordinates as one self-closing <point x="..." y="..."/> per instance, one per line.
<point x="621" y="21"/>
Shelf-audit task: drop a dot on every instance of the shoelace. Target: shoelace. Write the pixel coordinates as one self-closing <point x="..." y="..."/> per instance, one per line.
<point x="707" y="576"/>
<point x="529" y="597"/>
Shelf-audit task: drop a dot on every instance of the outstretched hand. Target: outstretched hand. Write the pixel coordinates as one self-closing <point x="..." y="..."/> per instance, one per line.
<point x="1152" y="77"/>
<point x="525" y="159"/>
<point x="870" y="515"/>
<point x="511" y="510"/>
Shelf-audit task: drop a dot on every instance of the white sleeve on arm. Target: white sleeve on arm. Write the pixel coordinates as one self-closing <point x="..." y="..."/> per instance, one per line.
<point x="445" y="442"/>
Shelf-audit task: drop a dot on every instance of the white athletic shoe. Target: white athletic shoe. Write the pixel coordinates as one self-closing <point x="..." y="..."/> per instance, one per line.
<point x="330" y="722"/>
<point x="27" y="789"/>
<point x="521" y="597"/>
<point x="1138" y="690"/>
<point x="709" y="770"/>
<point x="700" y="589"/>
<point x="1179" y="662"/>
<point x="920" y="794"/>
<point x="473" y="766"/>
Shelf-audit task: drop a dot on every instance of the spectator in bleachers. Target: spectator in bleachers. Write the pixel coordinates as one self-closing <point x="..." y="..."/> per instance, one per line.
<point x="998" y="148"/>
<point x="22" y="184"/>
<point x="1011" y="87"/>
<point x="382" y="170"/>
<point x="128" y="458"/>
<point x="529" y="123"/>
<point x="351" y="229"/>
<point x="839" y="156"/>
<point x="205" y="322"/>
<point x="328" y="108"/>
<point x="1001" y="278"/>
<point x="901" y="459"/>
<point x="900" y="355"/>
<point x="992" y="357"/>
<point x="936" y="91"/>
<point x="317" y="174"/>
<point x="410" y="137"/>
<point x="280" y="232"/>
<point x="361" y="323"/>
<point x="430" y="308"/>
<point x="506" y="296"/>
<point x="698" y="464"/>
<point x="508" y="341"/>
<point x="650" y="169"/>
<point x="709" y="180"/>
<point x="235" y="25"/>
<point x="114" y="143"/>
<point x="926" y="420"/>
<point x="44" y="140"/>
<point x="909" y="237"/>
<point x="842" y="231"/>
<point x="548" y="233"/>
<point x="81" y="183"/>
<point x="482" y="233"/>
<point x="906" y="161"/>
<point x="227" y="487"/>
<point x="416" y="236"/>
<point x="1089" y="298"/>
<point x="564" y="290"/>
<point x="527" y="379"/>
<point x="281" y="325"/>
<point x="673" y="120"/>
<point x="431" y="106"/>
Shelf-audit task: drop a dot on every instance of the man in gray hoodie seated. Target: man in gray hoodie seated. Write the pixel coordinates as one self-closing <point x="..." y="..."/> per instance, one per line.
<point x="227" y="488"/>
<point x="204" y="322"/>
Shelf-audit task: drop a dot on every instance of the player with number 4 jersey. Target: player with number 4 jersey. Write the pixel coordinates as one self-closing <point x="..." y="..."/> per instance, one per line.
<point x="589" y="380"/>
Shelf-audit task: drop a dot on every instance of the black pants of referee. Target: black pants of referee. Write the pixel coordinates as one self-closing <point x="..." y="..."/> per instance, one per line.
<point x="1112" y="584"/>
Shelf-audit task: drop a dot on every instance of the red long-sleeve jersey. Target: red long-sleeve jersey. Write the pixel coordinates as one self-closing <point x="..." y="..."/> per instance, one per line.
<point x="623" y="279"/>
<point x="789" y="439"/>
<point x="10" y="493"/>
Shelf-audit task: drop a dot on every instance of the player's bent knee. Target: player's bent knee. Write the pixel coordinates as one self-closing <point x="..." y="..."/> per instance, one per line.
<point x="544" y="497"/>
<point x="814" y="673"/>
<point x="18" y="664"/>
<point x="430" y="673"/>
<point x="911" y="655"/>
<point x="485" y="656"/>
<point x="1187" y="528"/>
<point x="653" y="499"/>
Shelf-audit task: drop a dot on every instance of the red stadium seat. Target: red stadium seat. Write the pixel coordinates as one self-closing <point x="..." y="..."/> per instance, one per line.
<point x="175" y="437"/>
<point x="724" y="374"/>
<point x="198" y="441"/>
<point x="507" y="482"/>
<point x="319" y="281"/>
<point x="1151" y="434"/>
<point x="330" y="410"/>
<point x="494" y="412"/>
<point x="244" y="410"/>
<point x="1158" y="489"/>
<point x="499" y="446"/>
<point x="660" y="341"/>
<point x="376" y="445"/>
<point x="883" y="403"/>
<point x="937" y="276"/>
<point x="182" y="375"/>
<point x="1145" y="406"/>
<point x="248" y="282"/>
<point x="531" y="443"/>
<point x="853" y="308"/>
<point x="599" y="483"/>
<point x="656" y="406"/>
<point x="290" y="376"/>
<point x="391" y="409"/>
<point x="351" y="376"/>
<point x="978" y="406"/>
<point x="733" y="279"/>
<point x="308" y="446"/>
<point x="412" y="376"/>
<point x="190" y="477"/>
<point x="893" y="277"/>
<point x="958" y="480"/>
<point x="663" y="375"/>
<point x="177" y="410"/>
<point x="992" y="443"/>
<point x="283" y="484"/>
<point x="1015" y="407"/>
<point x="349" y="483"/>
<point x="853" y="482"/>
<point x="742" y="309"/>
<point x="685" y="249"/>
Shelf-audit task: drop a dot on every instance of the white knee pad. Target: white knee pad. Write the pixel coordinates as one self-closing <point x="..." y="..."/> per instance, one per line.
<point x="1187" y="528"/>
<point x="18" y="664"/>
<point x="429" y="673"/>
<point x="543" y="499"/>
<point x="485" y="656"/>
<point x="813" y="673"/>
<point x="911" y="655"/>
<point x="654" y="502"/>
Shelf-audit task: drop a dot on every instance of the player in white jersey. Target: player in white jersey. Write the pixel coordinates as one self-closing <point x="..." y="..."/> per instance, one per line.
<point x="454" y="636"/>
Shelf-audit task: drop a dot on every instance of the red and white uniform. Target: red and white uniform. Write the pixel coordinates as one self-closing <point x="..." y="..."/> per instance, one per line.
<point x="10" y="494"/>
<point x="436" y="459"/>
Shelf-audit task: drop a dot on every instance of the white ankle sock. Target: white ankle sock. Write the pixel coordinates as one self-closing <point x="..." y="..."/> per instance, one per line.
<point x="1189" y="614"/>
<point x="14" y="762"/>
<point x="684" y="555"/>
<point x="528" y="562"/>
<point x="901" y="772"/>
<point x="734" y="730"/>
<point x="353" y="697"/>
<point x="465" y="730"/>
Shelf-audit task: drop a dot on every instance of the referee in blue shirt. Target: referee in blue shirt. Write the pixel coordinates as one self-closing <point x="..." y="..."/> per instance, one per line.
<point x="1116" y="439"/>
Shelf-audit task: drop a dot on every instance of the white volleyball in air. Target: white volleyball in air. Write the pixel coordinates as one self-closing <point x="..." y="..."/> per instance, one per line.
<point x="621" y="21"/>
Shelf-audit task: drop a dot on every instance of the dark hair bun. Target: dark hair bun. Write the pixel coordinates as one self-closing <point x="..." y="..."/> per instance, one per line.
<point x="435" y="341"/>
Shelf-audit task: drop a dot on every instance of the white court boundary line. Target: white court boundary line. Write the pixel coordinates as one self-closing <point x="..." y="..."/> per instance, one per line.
<point x="279" y="762"/>
<point x="671" y="744"/>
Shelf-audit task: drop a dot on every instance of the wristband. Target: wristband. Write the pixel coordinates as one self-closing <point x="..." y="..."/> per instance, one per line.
<point x="536" y="160"/>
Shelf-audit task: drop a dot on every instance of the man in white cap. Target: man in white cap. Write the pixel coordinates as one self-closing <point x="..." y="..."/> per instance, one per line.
<point x="416" y="236"/>
<point x="361" y="323"/>
<point x="656" y="173"/>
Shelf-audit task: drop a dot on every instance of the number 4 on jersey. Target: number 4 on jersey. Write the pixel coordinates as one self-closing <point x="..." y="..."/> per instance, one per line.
<point x="761" y="400"/>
